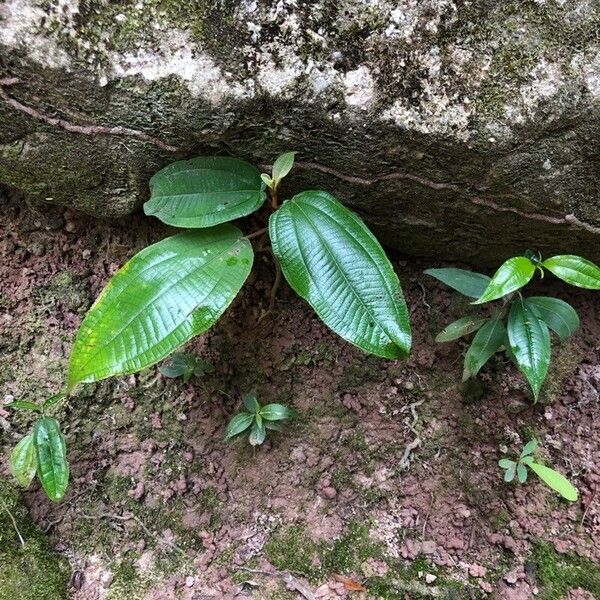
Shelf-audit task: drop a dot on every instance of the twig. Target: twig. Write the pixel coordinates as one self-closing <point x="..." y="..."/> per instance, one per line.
<point x="423" y="298"/>
<point x="588" y="506"/>
<point x="257" y="233"/>
<point x="288" y="579"/>
<point x="274" y="288"/>
<point x="13" y="522"/>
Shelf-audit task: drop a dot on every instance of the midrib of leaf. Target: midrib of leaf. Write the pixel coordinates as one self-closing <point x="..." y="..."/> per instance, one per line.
<point x="100" y="347"/>
<point x="350" y="286"/>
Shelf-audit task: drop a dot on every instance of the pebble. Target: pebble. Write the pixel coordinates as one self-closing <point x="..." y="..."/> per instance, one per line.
<point x="189" y="581"/>
<point x="329" y="492"/>
<point x="430" y="578"/>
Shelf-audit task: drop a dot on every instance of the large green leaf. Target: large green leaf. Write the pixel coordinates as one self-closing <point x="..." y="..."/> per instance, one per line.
<point x="467" y="283"/>
<point x="333" y="261"/>
<point x="23" y="461"/>
<point x="560" y="316"/>
<point x="485" y="343"/>
<point x="512" y="275"/>
<point x="461" y="327"/>
<point x="276" y="412"/>
<point x="51" y="453"/>
<point x="165" y="295"/>
<point x="238" y="424"/>
<point x="556" y="481"/>
<point x="529" y="340"/>
<point x="205" y="191"/>
<point x="575" y="270"/>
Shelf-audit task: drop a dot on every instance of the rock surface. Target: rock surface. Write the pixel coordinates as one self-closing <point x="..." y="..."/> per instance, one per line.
<point x="459" y="129"/>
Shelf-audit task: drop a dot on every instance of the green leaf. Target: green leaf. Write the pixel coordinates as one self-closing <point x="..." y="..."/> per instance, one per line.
<point x="529" y="448"/>
<point x="24" y="405"/>
<point x="164" y="296"/>
<point x="560" y="316"/>
<point x="268" y="181"/>
<point x="575" y="270"/>
<point x="205" y="191"/>
<point x="556" y="481"/>
<point x="521" y="473"/>
<point x="283" y="165"/>
<point x="530" y="344"/>
<point x="180" y="364"/>
<point x="467" y="283"/>
<point x="459" y="328"/>
<point x="505" y="463"/>
<point x="332" y="260"/>
<point x="238" y="424"/>
<point x="485" y="343"/>
<point x="509" y="475"/>
<point x="273" y="425"/>
<point x="276" y="412"/>
<point x="258" y="433"/>
<point x="51" y="454"/>
<point x="527" y="460"/>
<point x="23" y="461"/>
<point x="512" y="275"/>
<point x="251" y="403"/>
<point x="53" y="400"/>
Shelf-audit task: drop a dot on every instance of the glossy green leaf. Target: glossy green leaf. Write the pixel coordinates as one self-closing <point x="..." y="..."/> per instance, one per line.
<point x="251" y="403"/>
<point x="575" y="270"/>
<point x="51" y="454"/>
<point x="530" y="344"/>
<point x="283" y="165"/>
<point x="505" y="463"/>
<point x="560" y="316"/>
<point x="459" y="328"/>
<point x="205" y="191"/>
<point x="332" y="260"/>
<point x="529" y="448"/>
<point x="24" y="405"/>
<point x="258" y="433"/>
<point x="238" y="424"/>
<point x="486" y="342"/>
<point x="509" y="475"/>
<point x="23" y="461"/>
<point x="467" y="283"/>
<point x="179" y="364"/>
<point x="511" y="276"/>
<point x="276" y="412"/>
<point x="273" y="426"/>
<point x="521" y="472"/>
<point x="164" y="296"/>
<point x="556" y="481"/>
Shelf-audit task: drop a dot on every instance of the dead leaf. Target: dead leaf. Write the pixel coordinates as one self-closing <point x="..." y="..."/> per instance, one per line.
<point x="350" y="584"/>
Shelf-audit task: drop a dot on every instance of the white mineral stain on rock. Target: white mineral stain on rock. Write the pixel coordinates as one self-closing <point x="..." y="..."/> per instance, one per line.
<point x="359" y="88"/>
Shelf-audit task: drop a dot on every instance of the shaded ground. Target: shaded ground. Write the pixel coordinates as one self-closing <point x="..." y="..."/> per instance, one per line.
<point x="387" y="486"/>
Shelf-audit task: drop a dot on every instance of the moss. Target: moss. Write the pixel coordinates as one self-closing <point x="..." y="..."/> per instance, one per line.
<point x="32" y="571"/>
<point x="557" y="574"/>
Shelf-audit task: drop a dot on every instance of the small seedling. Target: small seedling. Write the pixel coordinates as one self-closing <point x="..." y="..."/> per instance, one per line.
<point x="550" y="477"/>
<point x="526" y="335"/>
<point x="42" y="452"/>
<point x="258" y="419"/>
<point x="184" y="365"/>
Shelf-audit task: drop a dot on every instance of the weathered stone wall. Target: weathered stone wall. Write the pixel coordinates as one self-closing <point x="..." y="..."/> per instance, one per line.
<point x="459" y="129"/>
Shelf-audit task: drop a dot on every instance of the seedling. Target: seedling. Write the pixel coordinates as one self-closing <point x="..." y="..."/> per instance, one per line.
<point x="526" y="335"/>
<point x="179" y="287"/>
<point x="553" y="479"/>
<point x="186" y="366"/>
<point x="42" y="452"/>
<point x="257" y="419"/>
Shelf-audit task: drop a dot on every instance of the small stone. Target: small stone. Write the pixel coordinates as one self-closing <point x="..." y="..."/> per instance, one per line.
<point x="189" y="581"/>
<point x="330" y="492"/>
<point x="430" y="578"/>
<point x="106" y="579"/>
<point x="477" y="571"/>
<point x="511" y="577"/>
<point x="409" y="385"/>
<point x="86" y="254"/>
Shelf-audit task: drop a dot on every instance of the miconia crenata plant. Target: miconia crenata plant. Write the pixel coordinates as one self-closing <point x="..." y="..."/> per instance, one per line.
<point x="519" y="325"/>
<point x="178" y="288"/>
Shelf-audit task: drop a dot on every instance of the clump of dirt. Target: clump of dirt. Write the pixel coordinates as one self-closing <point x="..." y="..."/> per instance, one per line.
<point x="386" y="486"/>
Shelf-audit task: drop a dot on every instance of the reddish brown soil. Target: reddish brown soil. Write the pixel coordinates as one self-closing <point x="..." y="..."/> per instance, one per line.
<point x="401" y="446"/>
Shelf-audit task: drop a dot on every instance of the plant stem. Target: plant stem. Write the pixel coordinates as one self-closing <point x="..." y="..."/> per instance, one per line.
<point x="257" y="233"/>
<point x="274" y="202"/>
<point x="13" y="522"/>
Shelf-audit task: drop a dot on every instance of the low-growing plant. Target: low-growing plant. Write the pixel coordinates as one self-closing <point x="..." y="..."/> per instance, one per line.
<point x="519" y="468"/>
<point x="258" y="419"/>
<point x="186" y="366"/>
<point x="43" y="451"/>
<point x="519" y="325"/>
<point x="179" y="287"/>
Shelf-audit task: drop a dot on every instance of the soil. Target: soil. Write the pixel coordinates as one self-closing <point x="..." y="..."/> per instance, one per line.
<point x="385" y="486"/>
